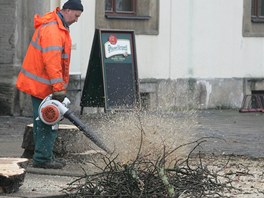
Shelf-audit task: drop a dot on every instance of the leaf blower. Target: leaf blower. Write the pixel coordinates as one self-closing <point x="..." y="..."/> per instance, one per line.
<point x="52" y="111"/>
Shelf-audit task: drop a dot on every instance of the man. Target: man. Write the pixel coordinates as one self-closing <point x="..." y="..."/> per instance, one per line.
<point x="45" y="71"/>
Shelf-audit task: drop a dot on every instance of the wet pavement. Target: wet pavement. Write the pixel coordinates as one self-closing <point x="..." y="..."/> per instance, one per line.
<point x="230" y="132"/>
<point x="238" y="133"/>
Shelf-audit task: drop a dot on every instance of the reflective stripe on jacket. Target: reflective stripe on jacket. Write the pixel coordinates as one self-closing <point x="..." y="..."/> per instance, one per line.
<point x="46" y="65"/>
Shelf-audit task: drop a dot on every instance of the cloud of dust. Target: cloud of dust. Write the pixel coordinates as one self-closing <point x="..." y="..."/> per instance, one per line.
<point x="121" y="132"/>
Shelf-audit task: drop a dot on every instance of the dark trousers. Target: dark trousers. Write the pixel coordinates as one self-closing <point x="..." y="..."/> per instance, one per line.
<point x="44" y="136"/>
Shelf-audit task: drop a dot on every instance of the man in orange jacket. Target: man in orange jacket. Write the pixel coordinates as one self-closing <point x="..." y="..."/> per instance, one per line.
<point x="45" y="71"/>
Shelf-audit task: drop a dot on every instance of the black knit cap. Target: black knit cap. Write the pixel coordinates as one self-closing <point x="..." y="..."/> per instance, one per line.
<point x="73" y="5"/>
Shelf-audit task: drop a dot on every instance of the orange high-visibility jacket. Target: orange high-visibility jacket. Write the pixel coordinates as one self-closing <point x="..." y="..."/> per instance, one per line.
<point x="46" y="65"/>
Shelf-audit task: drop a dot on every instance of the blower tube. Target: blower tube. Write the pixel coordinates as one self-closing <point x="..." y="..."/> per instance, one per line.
<point x="87" y="132"/>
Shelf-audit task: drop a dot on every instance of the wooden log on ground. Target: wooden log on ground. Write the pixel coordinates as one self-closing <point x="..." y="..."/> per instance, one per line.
<point x="12" y="174"/>
<point x="70" y="140"/>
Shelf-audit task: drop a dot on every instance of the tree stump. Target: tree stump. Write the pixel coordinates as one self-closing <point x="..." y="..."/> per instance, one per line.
<point x="12" y="174"/>
<point x="70" y="140"/>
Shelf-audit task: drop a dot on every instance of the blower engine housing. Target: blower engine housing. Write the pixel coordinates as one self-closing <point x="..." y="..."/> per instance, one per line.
<point x="52" y="111"/>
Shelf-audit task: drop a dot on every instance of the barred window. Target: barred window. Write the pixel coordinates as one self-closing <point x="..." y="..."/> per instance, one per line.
<point x="257" y="11"/>
<point x="120" y="7"/>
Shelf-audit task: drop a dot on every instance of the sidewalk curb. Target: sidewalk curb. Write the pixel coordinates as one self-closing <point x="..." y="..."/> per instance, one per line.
<point x="54" y="172"/>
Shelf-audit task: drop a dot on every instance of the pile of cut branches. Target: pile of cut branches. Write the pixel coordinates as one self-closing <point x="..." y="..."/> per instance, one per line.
<point x="143" y="177"/>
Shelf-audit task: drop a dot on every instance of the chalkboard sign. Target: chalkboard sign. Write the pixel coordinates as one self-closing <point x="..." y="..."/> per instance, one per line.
<point x="112" y="77"/>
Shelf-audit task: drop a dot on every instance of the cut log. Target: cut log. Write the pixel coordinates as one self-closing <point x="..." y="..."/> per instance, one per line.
<point x="12" y="174"/>
<point x="70" y="140"/>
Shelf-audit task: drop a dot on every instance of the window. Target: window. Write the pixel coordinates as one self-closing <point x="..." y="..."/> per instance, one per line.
<point x="253" y="18"/>
<point x="120" y="7"/>
<point x="257" y="11"/>
<point x="139" y="15"/>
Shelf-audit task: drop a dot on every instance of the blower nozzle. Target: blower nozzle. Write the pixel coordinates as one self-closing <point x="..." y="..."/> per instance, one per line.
<point x="52" y="111"/>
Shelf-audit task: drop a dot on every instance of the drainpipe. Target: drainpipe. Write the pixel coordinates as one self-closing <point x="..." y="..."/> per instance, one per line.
<point x="170" y="39"/>
<point x="190" y="39"/>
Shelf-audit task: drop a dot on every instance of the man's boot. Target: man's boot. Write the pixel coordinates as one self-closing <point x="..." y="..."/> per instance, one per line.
<point x="49" y="165"/>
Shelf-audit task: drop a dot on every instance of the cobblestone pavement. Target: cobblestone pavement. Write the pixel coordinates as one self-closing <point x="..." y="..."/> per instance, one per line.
<point x="11" y="135"/>
<point x="242" y="133"/>
<point x="233" y="133"/>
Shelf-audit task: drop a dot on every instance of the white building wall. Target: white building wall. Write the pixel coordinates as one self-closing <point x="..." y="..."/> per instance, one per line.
<point x="82" y="34"/>
<point x="197" y="38"/>
<point x="86" y="34"/>
<point x="205" y="42"/>
<point x="199" y="58"/>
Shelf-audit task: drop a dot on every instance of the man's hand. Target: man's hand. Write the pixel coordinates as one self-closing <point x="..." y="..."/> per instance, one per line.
<point x="59" y="95"/>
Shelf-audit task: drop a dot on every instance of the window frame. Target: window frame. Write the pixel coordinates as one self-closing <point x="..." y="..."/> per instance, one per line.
<point x="255" y="14"/>
<point x="146" y="22"/>
<point x="249" y="28"/>
<point x="113" y="12"/>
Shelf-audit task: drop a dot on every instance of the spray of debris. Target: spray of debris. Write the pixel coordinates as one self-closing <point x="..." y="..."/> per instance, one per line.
<point x="152" y="158"/>
<point x="122" y="132"/>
